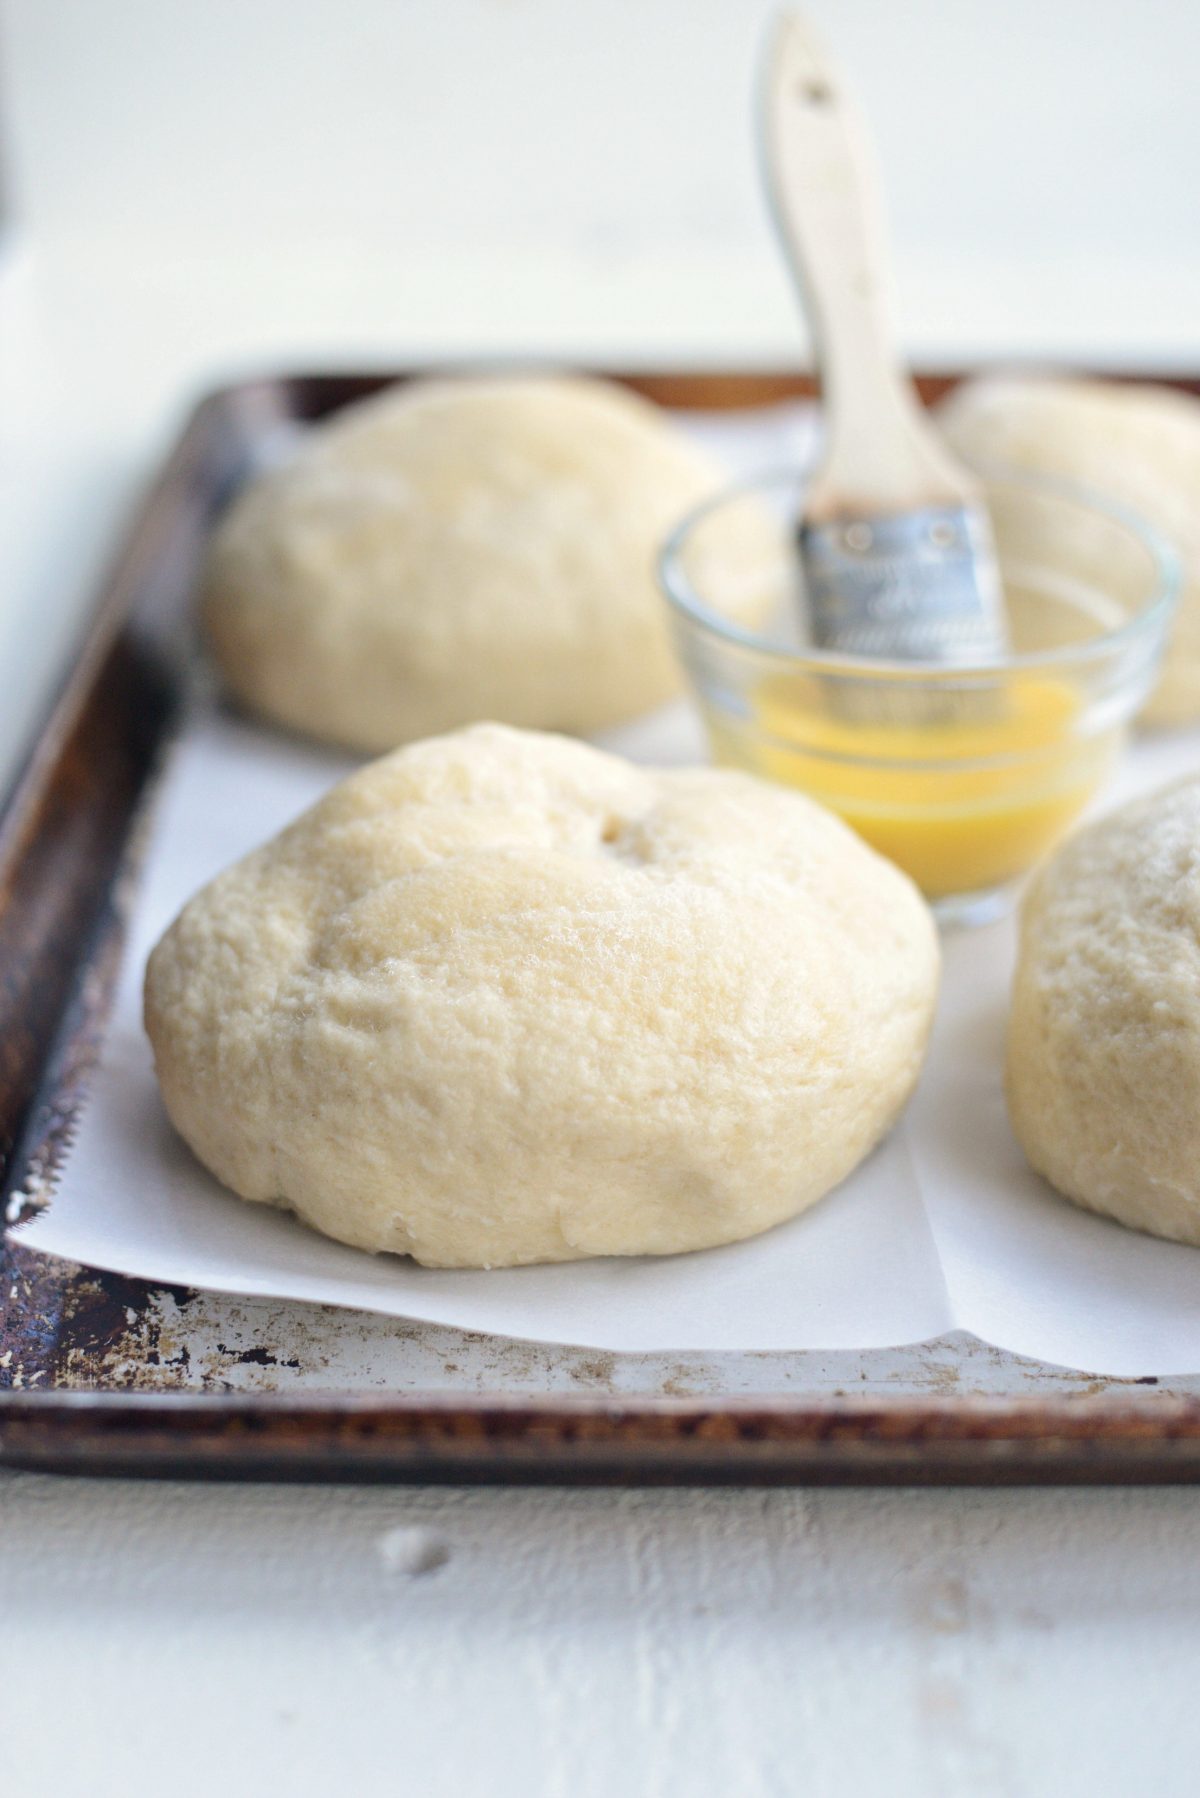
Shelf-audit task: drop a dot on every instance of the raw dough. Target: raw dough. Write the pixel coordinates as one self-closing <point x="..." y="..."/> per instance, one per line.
<point x="1104" y="1040"/>
<point x="500" y="998"/>
<point x="461" y="549"/>
<point x="1140" y="444"/>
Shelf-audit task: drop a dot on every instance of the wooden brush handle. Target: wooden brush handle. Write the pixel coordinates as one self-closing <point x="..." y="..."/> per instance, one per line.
<point x="881" y="455"/>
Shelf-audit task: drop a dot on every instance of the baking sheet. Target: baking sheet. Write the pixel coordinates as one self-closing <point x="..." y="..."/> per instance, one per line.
<point x="943" y="1228"/>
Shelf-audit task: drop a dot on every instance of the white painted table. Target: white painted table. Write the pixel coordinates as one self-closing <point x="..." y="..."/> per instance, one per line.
<point x="444" y="1643"/>
<point x="589" y="1645"/>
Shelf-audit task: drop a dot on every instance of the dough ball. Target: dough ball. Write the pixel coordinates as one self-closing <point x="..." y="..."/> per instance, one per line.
<point x="1104" y="1040"/>
<point x="453" y="550"/>
<point x="1139" y="444"/>
<point x="500" y="998"/>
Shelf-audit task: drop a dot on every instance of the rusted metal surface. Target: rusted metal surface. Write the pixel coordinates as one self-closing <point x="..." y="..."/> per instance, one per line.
<point x="100" y="1373"/>
<point x="222" y="1387"/>
<point x="81" y="1330"/>
<point x="552" y="1439"/>
<point x="64" y="1325"/>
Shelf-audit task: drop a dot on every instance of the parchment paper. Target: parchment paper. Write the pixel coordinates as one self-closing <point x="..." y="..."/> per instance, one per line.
<point x="943" y="1228"/>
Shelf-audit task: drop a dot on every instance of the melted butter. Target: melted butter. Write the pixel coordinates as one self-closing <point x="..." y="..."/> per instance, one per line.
<point x="962" y="803"/>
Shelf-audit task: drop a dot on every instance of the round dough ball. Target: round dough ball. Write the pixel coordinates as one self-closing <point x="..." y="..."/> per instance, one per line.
<point x="1139" y="444"/>
<point x="453" y="550"/>
<point x="500" y="998"/>
<point x="1104" y="1038"/>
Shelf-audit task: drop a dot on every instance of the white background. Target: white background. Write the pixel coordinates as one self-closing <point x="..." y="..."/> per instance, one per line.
<point x="196" y="186"/>
<point x="1043" y="149"/>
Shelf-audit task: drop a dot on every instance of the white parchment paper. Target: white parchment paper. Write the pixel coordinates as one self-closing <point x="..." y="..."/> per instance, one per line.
<point x="943" y="1228"/>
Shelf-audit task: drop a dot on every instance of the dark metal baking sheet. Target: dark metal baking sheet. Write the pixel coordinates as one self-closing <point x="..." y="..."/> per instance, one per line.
<point x="100" y="1374"/>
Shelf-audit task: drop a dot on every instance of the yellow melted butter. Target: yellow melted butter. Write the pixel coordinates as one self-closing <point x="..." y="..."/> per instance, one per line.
<point x="963" y="802"/>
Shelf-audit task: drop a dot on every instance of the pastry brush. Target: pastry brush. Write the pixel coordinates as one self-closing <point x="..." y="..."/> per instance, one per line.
<point x="895" y="542"/>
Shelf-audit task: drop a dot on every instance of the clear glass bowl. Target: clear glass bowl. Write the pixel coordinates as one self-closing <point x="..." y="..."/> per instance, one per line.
<point x="964" y="776"/>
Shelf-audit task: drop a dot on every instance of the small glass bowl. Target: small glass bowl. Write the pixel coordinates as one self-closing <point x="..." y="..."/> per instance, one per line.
<point x="964" y="776"/>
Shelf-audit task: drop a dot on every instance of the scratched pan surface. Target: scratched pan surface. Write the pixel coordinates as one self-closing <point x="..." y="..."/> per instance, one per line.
<point x="100" y="1374"/>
